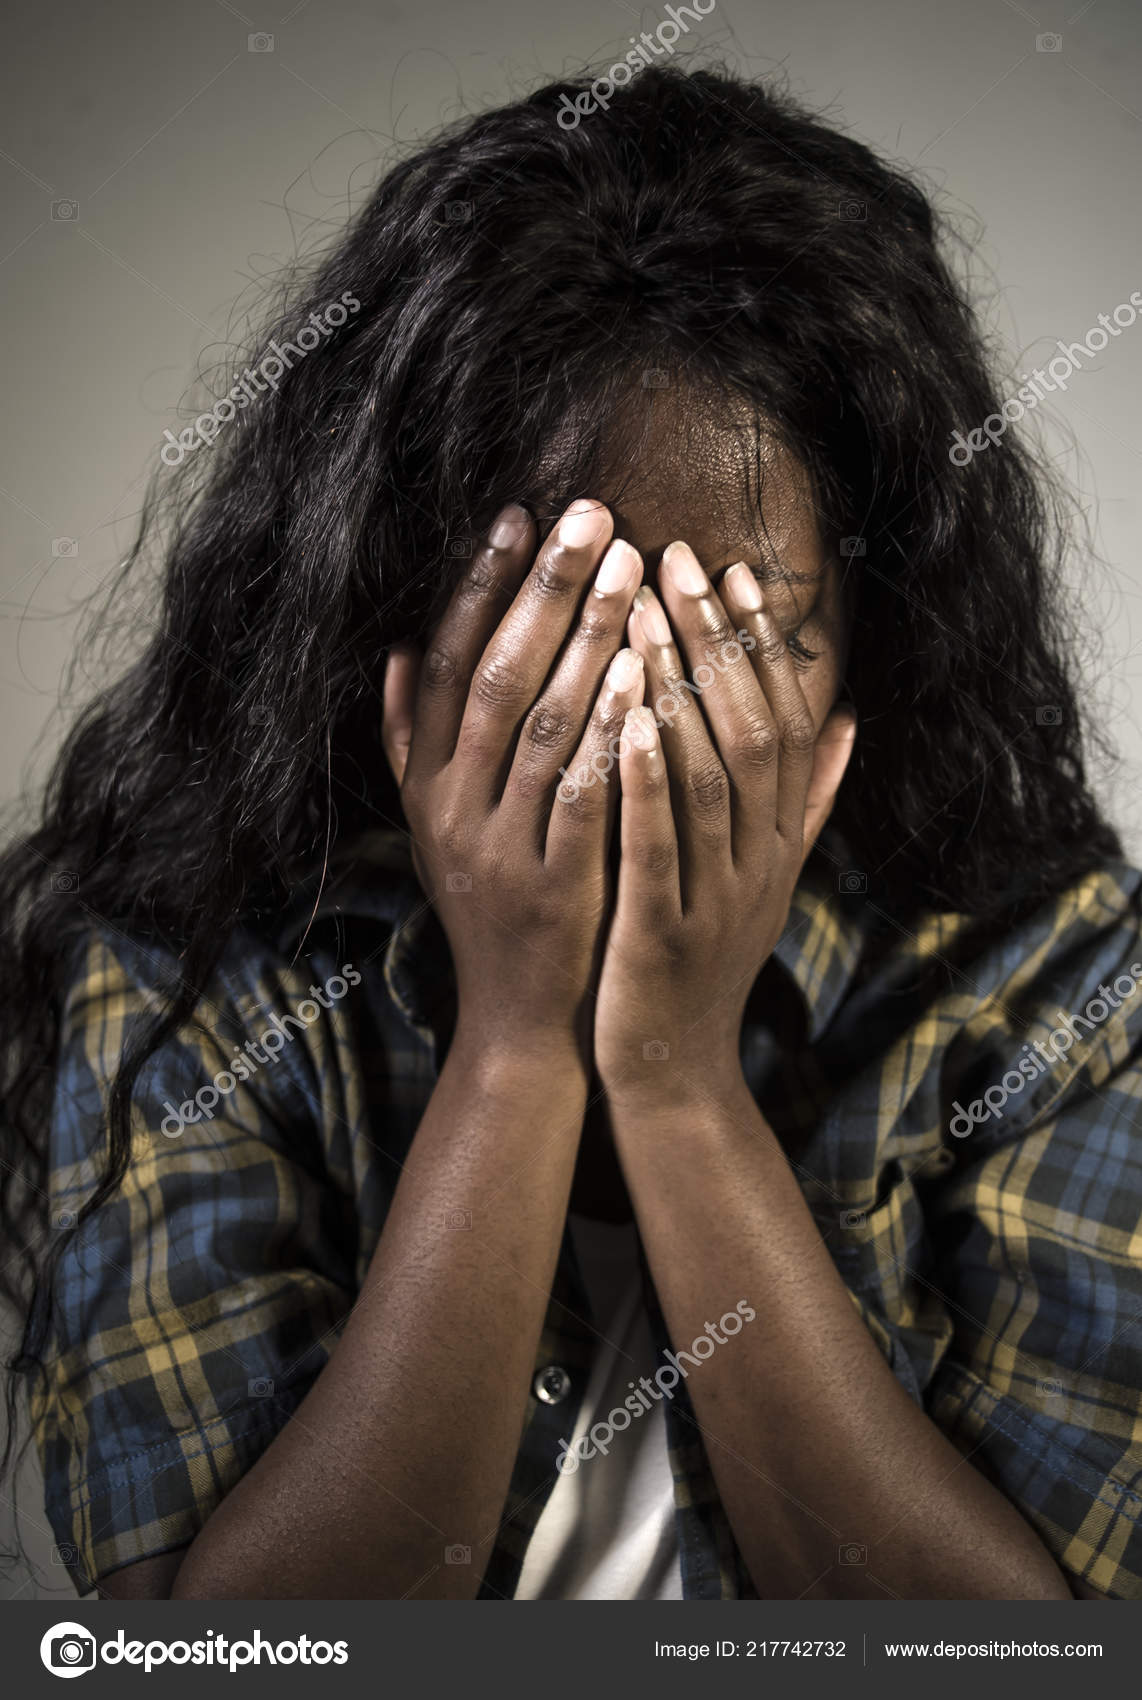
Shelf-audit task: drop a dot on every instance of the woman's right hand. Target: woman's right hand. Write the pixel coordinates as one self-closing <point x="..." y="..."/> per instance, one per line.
<point x="476" y="732"/>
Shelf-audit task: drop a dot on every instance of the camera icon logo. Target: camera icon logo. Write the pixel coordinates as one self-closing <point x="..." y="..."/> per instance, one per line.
<point x="854" y="211"/>
<point x="852" y="1553"/>
<point x="68" y="1649"/>
<point x="64" y="882"/>
<point x="64" y="546"/>
<point x="852" y="883"/>
<point x="460" y="548"/>
<point x="1048" y="716"/>
<point x="65" y="212"/>
<point x="853" y="546"/>
<point x="458" y="1219"/>
<point x="457" y="882"/>
<point x="259" y="42"/>
<point x="655" y="1050"/>
<point x="261" y="1387"/>
<point x="1050" y="43"/>
<point x="654" y="378"/>
<point x="458" y="212"/>
<point x="457" y="1555"/>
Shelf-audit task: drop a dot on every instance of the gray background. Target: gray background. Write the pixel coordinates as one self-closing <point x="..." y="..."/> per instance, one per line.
<point x="201" y="169"/>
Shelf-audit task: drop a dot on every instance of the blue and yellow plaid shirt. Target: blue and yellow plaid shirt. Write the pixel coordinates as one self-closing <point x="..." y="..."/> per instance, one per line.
<point x="977" y="1178"/>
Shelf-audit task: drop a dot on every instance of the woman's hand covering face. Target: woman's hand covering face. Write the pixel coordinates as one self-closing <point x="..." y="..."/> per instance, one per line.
<point x="726" y="783"/>
<point x="512" y="740"/>
<point x="525" y="674"/>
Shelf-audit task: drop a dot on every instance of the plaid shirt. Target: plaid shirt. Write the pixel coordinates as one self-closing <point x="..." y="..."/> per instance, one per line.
<point x="996" y="1259"/>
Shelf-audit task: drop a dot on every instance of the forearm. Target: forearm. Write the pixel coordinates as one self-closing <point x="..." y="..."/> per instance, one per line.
<point x="814" y="1444"/>
<point x="404" y="1446"/>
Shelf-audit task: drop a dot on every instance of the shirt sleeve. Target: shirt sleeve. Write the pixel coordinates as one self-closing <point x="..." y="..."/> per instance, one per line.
<point x="1041" y="1384"/>
<point x="196" y="1305"/>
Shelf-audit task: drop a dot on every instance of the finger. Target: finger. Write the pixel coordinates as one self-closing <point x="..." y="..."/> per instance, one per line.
<point x="485" y="590"/>
<point x="514" y="666"/>
<point x="830" y="759"/>
<point x="554" y="726"/>
<point x="699" y="784"/>
<point x="649" y="884"/>
<point x="735" y="706"/>
<point x="780" y="681"/>
<point x="398" y="702"/>
<point x="586" y="800"/>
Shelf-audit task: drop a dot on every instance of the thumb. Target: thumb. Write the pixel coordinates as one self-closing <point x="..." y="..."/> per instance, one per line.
<point x="398" y="698"/>
<point x="830" y="759"/>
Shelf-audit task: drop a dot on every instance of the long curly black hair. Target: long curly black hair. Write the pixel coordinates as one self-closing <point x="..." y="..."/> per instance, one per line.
<point x="516" y="280"/>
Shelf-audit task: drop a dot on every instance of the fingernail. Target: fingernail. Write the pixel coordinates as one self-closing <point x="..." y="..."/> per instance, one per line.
<point x="744" y="588"/>
<point x="654" y="623"/>
<point x="509" y="526"/>
<point x="683" y="570"/>
<point x="625" y="670"/>
<point x="639" y="727"/>
<point x="616" y="569"/>
<point x="582" y="523"/>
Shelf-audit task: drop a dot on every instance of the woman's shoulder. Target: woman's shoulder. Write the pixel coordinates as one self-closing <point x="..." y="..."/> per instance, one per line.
<point x="1022" y="946"/>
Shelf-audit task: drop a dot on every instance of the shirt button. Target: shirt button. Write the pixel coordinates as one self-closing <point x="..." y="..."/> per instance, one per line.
<point x="552" y="1384"/>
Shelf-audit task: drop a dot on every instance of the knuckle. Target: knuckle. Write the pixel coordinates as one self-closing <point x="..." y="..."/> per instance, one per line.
<point x="708" y="788"/>
<point x="527" y="784"/>
<point x="676" y="699"/>
<point x="798" y="734"/>
<point x="651" y="779"/>
<point x="440" y="669"/>
<point x="496" y="684"/>
<point x="552" y="577"/>
<point x="684" y="692"/>
<point x="596" y="630"/>
<point x="758" y="746"/>
<point x="483" y="578"/>
<point x="716" y="627"/>
<point x="547" y="727"/>
<point x="580" y="804"/>
<point x="610" y="716"/>
<point x="771" y="646"/>
<point x="653" y="857"/>
<point x="673" y="946"/>
<point x="448" y="832"/>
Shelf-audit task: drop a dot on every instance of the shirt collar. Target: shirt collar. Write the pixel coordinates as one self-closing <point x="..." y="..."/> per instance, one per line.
<point x="373" y="876"/>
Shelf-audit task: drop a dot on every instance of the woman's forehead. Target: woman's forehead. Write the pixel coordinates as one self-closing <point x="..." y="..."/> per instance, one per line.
<point x="732" y="495"/>
<point x="681" y="460"/>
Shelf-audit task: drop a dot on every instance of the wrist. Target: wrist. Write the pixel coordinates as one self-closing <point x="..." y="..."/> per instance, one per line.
<point x="518" y="1051"/>
<point x="674" y="1082"/>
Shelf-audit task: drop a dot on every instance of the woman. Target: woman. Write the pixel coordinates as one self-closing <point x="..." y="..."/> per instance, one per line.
<point x="418" y="1079"/>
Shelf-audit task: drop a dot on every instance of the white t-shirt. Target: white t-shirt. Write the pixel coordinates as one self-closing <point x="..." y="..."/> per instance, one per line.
<point x="608" y="1530"/>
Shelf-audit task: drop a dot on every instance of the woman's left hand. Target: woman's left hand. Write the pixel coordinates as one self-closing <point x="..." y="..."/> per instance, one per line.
<point x="718" y="815"/>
